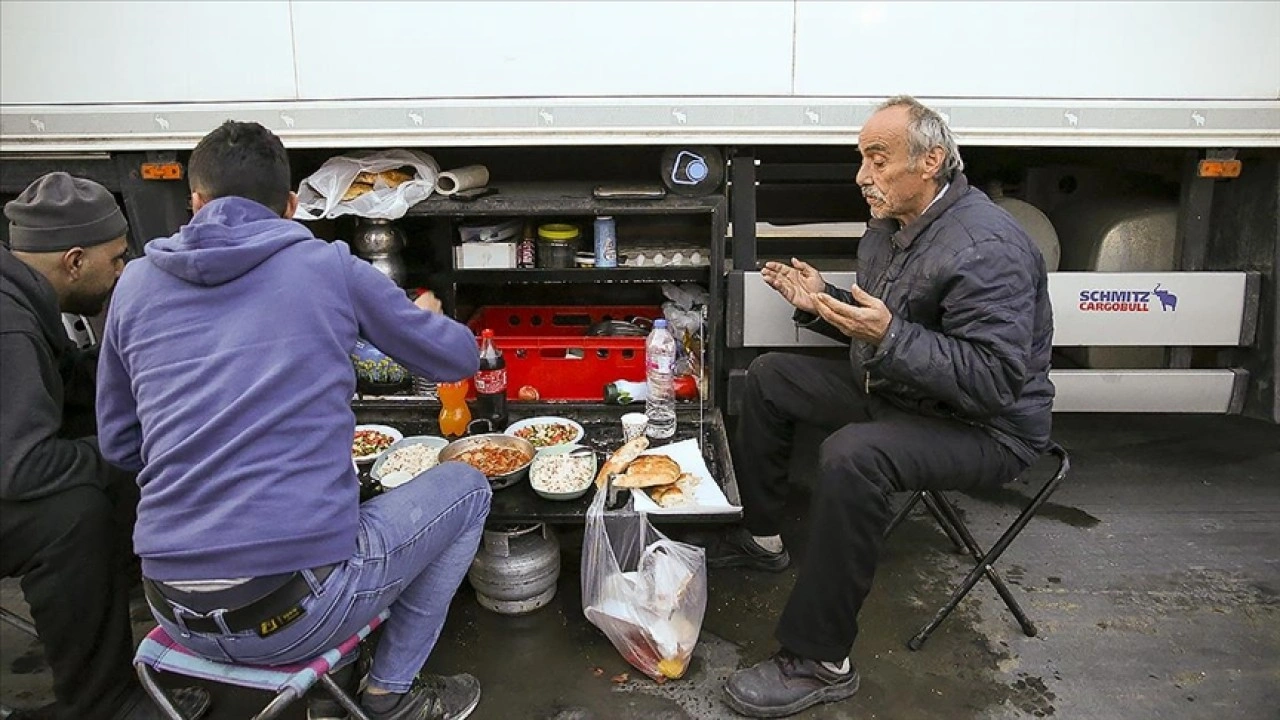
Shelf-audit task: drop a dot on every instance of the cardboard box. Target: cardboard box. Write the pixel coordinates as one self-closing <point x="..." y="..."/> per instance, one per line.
<point x="484" y="255"/>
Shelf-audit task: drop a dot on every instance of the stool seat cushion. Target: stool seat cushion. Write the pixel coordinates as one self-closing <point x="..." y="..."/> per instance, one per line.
<point x="162" y="652"/>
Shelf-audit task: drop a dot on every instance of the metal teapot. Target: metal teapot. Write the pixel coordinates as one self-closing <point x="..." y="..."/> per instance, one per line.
<point x="379" y="242"/>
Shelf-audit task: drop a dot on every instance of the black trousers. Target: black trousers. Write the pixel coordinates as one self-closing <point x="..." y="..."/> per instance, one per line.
<point x="873" y="450"/>
<point x="70" y="551"/>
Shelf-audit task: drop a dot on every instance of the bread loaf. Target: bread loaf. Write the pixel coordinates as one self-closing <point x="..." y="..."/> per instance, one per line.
<point x="394" y="178"/>
<point x="649" y="471"/>
<point x="667" y="495"/>
<point x="621" y="458"/>
<point x="356" y="190"/>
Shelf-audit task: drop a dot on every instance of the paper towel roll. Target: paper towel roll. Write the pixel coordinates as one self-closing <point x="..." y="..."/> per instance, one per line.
<point x="464" y="178"/>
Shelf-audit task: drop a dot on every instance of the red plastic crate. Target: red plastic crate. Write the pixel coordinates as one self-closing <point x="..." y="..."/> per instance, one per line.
<point x="547" y="347"/>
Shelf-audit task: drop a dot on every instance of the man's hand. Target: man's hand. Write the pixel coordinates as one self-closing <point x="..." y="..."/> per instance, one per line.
<point x="796" y="283"/>
<point x="867" y="321"/>
<point x="428" y="301"/>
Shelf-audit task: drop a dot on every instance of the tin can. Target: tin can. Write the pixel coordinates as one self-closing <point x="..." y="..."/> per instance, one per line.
<point x="524" y="251"/>
<point x="606" y="242"/>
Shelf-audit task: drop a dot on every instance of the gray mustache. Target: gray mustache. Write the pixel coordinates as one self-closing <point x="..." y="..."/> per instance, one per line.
<point x="871" y="193"/>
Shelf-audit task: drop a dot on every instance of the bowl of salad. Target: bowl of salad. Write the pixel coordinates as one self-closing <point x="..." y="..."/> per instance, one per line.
<point x="546" y="431"/>
<point x="370" y="441"/>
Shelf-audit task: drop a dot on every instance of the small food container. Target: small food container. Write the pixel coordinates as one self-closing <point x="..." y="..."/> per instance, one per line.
<point x="557" y="245"/>
<point x="555" y="475"/>
<point x="421" y="454"/>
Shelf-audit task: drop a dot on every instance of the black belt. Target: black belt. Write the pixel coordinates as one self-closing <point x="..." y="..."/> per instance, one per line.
<point x="265" y="614"/>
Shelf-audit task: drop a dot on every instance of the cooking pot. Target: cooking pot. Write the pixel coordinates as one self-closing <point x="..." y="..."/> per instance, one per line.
<point x="497" y="482"/>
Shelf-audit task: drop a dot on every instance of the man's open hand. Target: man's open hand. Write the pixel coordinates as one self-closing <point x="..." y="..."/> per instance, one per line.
<point x="797" y="282"/>
<point x="867" y="321"/>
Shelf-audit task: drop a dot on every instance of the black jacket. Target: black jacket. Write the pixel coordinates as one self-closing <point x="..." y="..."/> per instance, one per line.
<point x="44" y="381"/>
<point x="972" y="326"/>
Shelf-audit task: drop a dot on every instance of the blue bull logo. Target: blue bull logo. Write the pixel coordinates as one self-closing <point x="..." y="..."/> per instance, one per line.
<point x="1168" y="301"/>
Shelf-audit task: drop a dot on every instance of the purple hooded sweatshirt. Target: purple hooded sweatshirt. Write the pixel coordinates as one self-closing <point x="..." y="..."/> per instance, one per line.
<point x="224" y="380"/>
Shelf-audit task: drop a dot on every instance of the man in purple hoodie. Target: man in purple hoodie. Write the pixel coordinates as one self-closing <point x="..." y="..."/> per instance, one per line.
<point x="225" y="382"/>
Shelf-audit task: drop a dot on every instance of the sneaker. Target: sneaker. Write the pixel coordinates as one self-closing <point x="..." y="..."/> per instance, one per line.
<point x="785" y="684"/>
<point x="321" y="705"/>
<point x="192" y="702"/>
<point x="737" y="548"/>
<point x="433" y="697"/>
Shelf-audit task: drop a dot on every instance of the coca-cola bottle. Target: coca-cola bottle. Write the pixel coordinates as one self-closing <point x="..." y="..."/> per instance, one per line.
<point x="491" y="383"/>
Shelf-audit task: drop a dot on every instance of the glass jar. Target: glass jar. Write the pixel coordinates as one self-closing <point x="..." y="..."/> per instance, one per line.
<point x="557" y="245"/>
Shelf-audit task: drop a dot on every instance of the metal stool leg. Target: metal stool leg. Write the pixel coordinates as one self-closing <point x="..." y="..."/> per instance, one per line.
<point x="18" y="621"/>
<point x="984" y="567"/>
<point x="906" y="508"/>
<point x="947" y="527"/>
<point x="986" y="560"/>
<point x="903" y="512"/>
<point x="157" y="693"/>
<point x="343" y="698"/>
<point x="25" y="626"/>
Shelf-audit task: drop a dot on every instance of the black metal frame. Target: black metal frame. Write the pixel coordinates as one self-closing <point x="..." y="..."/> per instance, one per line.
<point x="951" y="523"/>
<point x="273" y="709"/>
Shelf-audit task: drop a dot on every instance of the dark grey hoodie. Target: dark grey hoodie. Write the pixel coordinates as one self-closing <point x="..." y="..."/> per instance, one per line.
<point x="43" y="379"/>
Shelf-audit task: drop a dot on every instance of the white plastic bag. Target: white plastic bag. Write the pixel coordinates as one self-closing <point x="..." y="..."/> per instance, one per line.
<point x="646" y="592"/>
<point x="320" y="195"/>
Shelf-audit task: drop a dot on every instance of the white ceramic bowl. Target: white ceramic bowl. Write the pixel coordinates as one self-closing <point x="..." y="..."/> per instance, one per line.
<point x="540" y="463"/>
<point x="400" y="477"/>
<point x="526" y="428"/>
<point x="387" y="430"/>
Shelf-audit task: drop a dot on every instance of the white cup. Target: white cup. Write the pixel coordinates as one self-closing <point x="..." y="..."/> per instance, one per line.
<point x="633" y="425"/>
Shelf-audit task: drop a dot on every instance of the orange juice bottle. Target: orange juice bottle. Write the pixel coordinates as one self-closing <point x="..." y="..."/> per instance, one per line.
<point x="454" y="413"/>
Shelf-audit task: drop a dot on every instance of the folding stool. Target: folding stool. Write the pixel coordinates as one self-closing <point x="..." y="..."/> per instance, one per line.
<point x="290" y="682"/>
<point x="945" y="513"/>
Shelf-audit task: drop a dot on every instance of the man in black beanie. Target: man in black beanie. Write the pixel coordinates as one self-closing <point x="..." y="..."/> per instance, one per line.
<point x="58" y="517"/>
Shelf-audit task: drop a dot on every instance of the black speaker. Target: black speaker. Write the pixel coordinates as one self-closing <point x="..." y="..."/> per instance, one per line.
<point x="697" y="170"/>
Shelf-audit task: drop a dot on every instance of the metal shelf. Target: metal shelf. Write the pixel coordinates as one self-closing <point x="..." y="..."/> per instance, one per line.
<point x="582" y="275"/>
<point x="549" y="199"/>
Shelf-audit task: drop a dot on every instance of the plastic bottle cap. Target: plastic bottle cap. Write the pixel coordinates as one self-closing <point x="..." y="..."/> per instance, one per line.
<point x="659" y="323"/>
<point x="486" y="333"/>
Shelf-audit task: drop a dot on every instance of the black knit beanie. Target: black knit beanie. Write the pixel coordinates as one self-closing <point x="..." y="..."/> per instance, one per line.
<point x="59" y="212"/>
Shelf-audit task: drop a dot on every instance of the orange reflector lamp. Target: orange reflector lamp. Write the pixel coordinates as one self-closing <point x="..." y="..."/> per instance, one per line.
<point x="162" y="171"/>
<point x="1219" y="169"/>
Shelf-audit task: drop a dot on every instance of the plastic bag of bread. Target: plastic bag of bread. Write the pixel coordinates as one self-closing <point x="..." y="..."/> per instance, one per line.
<point x="372" y="184"/>
<point x="646" y="592"/>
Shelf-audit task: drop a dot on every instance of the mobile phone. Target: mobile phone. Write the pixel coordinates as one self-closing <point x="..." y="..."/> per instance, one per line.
<point x="472" y="194"/>
<point x="629" y="191"/>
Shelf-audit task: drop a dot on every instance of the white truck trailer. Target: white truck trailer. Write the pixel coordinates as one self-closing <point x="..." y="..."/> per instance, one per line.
<point x="1102" y="124"/>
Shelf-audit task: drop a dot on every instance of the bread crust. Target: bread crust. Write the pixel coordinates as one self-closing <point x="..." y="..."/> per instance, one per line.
<point x="667" y="495"/>
<point x="356" y="190"/>
<point x="394" y="178"/>
<point x="621" y="458"/>
<point x="649" y="471"/>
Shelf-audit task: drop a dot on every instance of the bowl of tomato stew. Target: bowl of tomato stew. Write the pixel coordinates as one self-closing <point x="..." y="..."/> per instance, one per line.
<point x="504" y="459"/>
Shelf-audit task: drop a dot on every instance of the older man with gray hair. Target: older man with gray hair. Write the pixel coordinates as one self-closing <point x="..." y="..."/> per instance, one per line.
<point x="946" y="386"/>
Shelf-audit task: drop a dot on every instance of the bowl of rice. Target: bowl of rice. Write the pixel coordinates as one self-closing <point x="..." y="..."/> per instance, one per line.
<point x="556" y="476"/>
<point x="406" y="459"/>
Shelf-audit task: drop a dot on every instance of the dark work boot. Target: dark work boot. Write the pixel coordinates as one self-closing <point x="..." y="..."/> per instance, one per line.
<point x="432" y="697"/>
<point x="736" y="548"/>
<point x="785" y="684"/>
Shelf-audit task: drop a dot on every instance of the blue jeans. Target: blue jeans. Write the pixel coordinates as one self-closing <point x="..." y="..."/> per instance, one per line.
<point x="414" y="547"/>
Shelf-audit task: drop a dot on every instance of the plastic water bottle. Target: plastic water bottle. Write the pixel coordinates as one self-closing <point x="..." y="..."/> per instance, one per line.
<point x="660" y="360"/>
